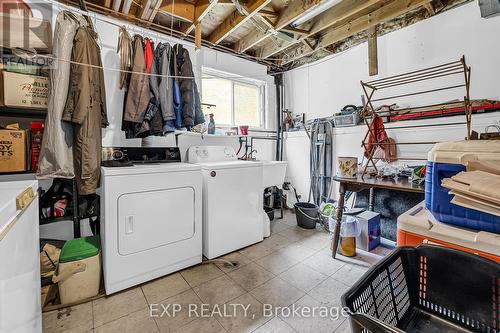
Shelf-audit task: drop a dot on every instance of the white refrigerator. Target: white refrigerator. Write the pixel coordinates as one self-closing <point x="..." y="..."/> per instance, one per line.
<point x="20" y="308"/>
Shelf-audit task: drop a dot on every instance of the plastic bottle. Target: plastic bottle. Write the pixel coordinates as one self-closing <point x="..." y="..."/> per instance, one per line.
<point x="36" y="142"/>
<point x="211" y="124"/>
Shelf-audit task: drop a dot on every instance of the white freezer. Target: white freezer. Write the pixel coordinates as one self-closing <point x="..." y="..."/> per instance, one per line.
<point x="20" y="290"/>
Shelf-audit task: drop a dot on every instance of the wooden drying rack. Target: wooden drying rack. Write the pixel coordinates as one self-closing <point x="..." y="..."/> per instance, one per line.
<point x="440" y="71"/>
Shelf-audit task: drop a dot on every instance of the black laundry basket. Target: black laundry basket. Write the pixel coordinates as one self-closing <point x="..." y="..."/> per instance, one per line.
<point x="427" y="289"/>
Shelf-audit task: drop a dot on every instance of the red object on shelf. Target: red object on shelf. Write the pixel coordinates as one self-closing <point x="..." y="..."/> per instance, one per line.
<point x="440" y="112"/>
<point x="244" y="130"/>
<point x="36" y="136"/>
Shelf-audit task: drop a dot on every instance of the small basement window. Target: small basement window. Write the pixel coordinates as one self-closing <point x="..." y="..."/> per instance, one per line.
<point x="237" y="100"/>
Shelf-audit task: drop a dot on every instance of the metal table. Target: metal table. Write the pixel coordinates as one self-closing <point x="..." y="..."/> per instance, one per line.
<point x="365" y="183"/>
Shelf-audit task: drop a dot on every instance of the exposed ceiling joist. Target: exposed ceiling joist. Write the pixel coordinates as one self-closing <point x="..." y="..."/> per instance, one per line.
<point x="293" y="11"/>
<point x="430" y="8"/>
<point x="295" y="31"/>
<point x="267" y="13"/>
<point x="149" y="10"/>
<point x="385" y="13"/>
<point x="235" y="20"/>
<point x="180" y="9"/>
<point x="202" y="8"/>
<point x="338" y="14"/>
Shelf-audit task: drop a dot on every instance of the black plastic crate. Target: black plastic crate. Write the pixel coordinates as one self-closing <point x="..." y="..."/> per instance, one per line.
<point x="427" y="289"/>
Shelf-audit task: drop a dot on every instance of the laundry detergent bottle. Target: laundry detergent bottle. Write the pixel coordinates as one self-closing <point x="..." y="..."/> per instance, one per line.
<point x="211" y="124"/>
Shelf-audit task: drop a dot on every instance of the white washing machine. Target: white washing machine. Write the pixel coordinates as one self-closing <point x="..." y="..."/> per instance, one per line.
<point x="151" y="222"/>
<point x="232" y="199"/>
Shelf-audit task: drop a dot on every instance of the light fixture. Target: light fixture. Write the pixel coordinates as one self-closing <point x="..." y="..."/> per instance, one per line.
<point x="314" y="11"/>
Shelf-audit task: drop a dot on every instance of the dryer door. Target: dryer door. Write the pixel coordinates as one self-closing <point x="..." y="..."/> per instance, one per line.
<point x="151" y="219"/>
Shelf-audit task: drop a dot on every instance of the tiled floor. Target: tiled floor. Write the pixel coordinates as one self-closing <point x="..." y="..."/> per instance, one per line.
<point x="290" y="270"/>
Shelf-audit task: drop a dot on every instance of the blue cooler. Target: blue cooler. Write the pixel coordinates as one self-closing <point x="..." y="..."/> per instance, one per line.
<point x="447" y="159"/>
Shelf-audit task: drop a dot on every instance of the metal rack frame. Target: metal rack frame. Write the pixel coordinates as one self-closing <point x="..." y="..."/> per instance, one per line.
<point x="458" y="67"/>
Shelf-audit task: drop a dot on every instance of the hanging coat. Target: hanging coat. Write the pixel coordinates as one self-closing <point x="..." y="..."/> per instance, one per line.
<point x="163" y="56"/>
<point x="187" y="86"/>
<point x="138" y="94"/>
<point x="56" y="154"/>
<point x="152" y="118"/>
<point x="86" y="109"/>
<point x="125" y="51"/>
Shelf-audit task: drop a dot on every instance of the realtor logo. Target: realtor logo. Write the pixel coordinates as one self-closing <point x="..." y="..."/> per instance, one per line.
<point x="25" y="32"/>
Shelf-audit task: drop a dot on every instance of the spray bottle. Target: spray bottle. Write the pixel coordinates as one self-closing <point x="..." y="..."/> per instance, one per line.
<point x="211" y="124"/>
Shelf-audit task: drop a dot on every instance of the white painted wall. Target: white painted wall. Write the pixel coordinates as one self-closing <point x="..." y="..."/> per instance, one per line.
<point x="324" y="87"/>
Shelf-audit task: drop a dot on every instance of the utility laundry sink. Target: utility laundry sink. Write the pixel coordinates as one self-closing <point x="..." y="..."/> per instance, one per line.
<point x="274" y="173"/>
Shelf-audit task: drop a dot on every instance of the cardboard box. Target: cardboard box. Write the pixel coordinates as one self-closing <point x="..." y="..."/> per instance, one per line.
<point x="25" y="32"/>
<point x="13" y="148"/>
<point x="369" y="222"/>
<point x="24" y="91"/>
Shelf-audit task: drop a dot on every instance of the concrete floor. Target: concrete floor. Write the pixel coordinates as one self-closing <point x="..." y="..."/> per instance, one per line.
<point x="292" y="269"/>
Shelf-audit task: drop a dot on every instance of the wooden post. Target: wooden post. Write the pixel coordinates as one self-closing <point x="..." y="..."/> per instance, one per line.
<point x="372" y="51"/>
<point x="197" y="36"/>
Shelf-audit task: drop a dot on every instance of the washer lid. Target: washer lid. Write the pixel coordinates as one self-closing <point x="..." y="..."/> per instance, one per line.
<point x="138" y="169"/>
<point x="230" y="165"/>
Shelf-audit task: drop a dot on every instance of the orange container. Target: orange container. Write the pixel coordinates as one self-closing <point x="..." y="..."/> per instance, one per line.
<point x="418" y="226"/>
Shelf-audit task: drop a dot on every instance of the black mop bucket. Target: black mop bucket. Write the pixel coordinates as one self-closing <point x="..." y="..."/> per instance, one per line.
<point x="307" y="215"/>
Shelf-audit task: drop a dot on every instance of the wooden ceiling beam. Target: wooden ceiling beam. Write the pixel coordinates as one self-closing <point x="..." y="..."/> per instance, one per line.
<point x="383" y="14"/>
<point x="336" y="15"/>
<point x="235" y="20"/>
<point x="292" y="12"/>
<point x="180" y="9"/>
<point x="202" y="8"/>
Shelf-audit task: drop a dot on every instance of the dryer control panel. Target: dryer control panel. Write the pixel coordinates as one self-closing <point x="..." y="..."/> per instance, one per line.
<point x="200" y="154"/>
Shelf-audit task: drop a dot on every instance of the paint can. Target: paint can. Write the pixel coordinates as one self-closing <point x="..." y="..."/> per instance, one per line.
<point x="347" y="167"/>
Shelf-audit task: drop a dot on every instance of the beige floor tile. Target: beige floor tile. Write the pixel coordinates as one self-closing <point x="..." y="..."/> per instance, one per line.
<point x="294" y="234"/>
<point x="315" y="242"/>
<point x="297" y="252"/>
<point x="202" y="273"/>
<point x="204" y="325"/>
<point x="349" y="274"/>
<point x="345" y="327"/>
<point x="277" y="226"/>
<point x="219" y="290"/>
<point x="233" y="257"/>
<point x="276" y="262"/>
<point x="277" y="292"/>
<point x="362" y="259"/>
<point x="289" y="219"/>
<point x="323" y="263"/>
<point x="136" y="322"/>
<point x="184" y="302"/>
<point x="256" y="251"/>
<point x="250" y="276"/>
<point x="112" y="307"/>
<point x="276" y="241"/>
<point x="244" y="322"/>
<point x="312" y="316"/>
<point x="303" y="277"/>
<point x="329" y="292"/>
<point x="164" y="288"/>
<point x="75" y="319"/>
<point x="275" y="325"/>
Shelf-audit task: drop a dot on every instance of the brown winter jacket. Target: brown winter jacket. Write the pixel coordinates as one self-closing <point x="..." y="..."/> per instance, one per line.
<point x="138" y="94"/>
<point x="86" y="109"/>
